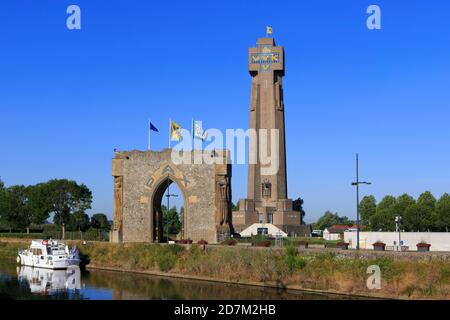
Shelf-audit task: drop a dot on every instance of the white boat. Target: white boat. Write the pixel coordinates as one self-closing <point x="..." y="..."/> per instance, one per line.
<point x="49" y="254"/>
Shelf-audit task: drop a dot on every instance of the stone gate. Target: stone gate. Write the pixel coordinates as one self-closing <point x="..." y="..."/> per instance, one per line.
<point x="141" y="179"/>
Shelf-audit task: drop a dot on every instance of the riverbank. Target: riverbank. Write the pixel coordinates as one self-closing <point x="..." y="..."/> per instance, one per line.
<point x="324" y="272"/>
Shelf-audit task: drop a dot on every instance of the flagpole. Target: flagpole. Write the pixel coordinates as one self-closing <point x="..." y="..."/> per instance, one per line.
<point x="170" y="124"/>
<point x="149" y="132"/>
<point x="192" y="130"/>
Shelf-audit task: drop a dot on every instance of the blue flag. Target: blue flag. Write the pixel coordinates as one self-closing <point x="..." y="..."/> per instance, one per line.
<point x="153" y="128"/>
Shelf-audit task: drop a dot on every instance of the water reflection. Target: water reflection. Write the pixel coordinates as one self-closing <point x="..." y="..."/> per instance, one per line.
<point x="49" y="282"/>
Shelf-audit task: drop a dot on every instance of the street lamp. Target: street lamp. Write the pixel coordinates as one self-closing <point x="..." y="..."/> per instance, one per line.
<point x="398" y="222"/>
<point x="357" y="183"/>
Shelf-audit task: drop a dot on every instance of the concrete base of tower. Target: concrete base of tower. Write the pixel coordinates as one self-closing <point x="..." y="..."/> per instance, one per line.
<point x="280" y="215"/>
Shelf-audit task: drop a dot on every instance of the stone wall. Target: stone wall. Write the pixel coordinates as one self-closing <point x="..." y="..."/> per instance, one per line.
<point x="146" y="174"/>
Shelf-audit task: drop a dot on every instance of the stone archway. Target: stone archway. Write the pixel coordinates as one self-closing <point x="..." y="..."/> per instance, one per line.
<point x="156" y="223"/>
<point x="141" y="179"/>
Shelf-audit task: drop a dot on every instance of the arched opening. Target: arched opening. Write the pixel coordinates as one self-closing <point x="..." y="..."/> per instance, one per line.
<point x="168" y="209"/>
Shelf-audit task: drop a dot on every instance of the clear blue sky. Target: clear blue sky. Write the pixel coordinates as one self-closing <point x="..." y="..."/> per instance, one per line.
<point x="68" y="98"/>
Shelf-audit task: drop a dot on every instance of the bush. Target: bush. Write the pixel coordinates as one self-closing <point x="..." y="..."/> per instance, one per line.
<point x="166" y="262"/>
<point x="264" y="243"/>
<point x="229" y="242"/>
<point x="291" y="251"/>
<point x="202" y="241"/>
<point x="294" y="263"/>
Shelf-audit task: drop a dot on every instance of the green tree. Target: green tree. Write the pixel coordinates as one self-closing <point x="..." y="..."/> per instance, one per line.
<point x="297" y="205"/>
<point x="66" y="198"/>
<point x="100" y="221"/>
<point x="235" y="207"/>
<point x="79" y="222"/>
<point x="443" y="212"/>
<point x="367" y="209"/>
<point x="39" y="203"/>
<point x="3" y="204"/>
<point x="421" y="216"/>
<point x="17" y="214"/>
<point x="384" y="218"/>
<point x="413" y="218"/>
<point x="174" y="222"/>
<point x="427" y="205"/>
<point x="328" y="219"/>
<point x="403" y="202"/>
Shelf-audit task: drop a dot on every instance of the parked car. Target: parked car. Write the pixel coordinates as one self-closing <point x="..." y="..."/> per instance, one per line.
<point x="316" y="233"/>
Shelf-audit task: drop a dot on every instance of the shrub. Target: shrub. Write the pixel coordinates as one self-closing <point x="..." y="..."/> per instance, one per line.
<point x="264" y="243"/>
<point x="202" y="241"/>
<point x="294" y="263"/>
<point x="229" y="242"/>
<point x="166" y="262"/>
<point x="291" y="251"/>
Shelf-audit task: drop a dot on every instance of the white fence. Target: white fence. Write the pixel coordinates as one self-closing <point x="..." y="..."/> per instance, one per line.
<point x="440" y="241"/>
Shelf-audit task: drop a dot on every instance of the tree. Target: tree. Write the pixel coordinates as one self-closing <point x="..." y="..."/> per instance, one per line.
<point x="328" y="219"/>
<point x="39" y="203"/>
<point x="66" y="198"/>
<point x="174" y="222"/>
<point x="3" y="204"/>
<point x="427" y="206"/>
<point x="79" y="221"/>
<point x="384" y="218"/>
<point x="443" y="212"/>
<point x="367" y="209"/>
<point x="17" y="213"/>
<point x="413" y="218"/>
<point x="297" y="205"/>
<point x="235" y="207"/>
<point x="100" y="221"/>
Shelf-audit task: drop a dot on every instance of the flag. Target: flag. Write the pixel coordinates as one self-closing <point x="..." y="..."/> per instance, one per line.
<point x="198" y="131"/>
<point x="152" y="127"/>
<point x="269" y="30"/>
<point x="175" y="131"/>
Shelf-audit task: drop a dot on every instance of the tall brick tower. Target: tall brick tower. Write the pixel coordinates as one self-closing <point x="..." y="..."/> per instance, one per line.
<point x="267" y="200"/>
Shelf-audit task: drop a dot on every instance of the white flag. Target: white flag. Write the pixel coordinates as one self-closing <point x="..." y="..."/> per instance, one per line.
<point x="199" y="133"/>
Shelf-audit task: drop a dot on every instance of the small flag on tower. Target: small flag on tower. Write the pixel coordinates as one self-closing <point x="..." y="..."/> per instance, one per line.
<point x="198" y="131"/>
<point x="175" y="131"/>
<point x="152" y="127"/>
<point x="269" y="30"/>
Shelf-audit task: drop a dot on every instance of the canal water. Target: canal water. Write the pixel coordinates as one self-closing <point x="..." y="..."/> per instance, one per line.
<point x="20" y="282"/>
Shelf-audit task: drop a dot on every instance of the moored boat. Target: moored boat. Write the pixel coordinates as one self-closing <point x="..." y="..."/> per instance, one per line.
<point x="49" y="254"/>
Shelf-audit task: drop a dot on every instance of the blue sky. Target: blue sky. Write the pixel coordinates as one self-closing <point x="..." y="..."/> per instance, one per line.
<point x="68" y="98"/>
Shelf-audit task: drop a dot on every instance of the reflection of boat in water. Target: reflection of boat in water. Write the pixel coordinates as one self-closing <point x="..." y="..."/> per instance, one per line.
<point x="49" y="281"/>
<point x="49" y="254"/>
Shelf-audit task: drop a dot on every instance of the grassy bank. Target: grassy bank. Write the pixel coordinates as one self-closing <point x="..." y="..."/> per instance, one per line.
<point x="320" y="271"/>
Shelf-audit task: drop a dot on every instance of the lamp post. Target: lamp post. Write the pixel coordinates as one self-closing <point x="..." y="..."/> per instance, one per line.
<point x="357" y="183"/>
<point x="398" y="222"/>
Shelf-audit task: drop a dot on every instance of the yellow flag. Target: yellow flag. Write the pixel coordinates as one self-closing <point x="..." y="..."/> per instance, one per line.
<point x="175" y="131"/>
<point x="269" y="30"/>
